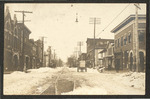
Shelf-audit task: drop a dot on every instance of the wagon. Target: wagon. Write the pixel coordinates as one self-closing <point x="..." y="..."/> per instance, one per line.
<point x="82" y="66"/>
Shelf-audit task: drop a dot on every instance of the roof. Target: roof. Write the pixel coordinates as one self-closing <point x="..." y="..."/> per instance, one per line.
<point x="126" y="21"/>
<point x="21" y="24"/>
<point x="99" y="39"/>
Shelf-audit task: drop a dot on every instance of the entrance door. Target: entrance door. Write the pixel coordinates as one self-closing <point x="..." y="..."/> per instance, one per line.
<point x="141" y="64"/>
<point x="15" y="63"/>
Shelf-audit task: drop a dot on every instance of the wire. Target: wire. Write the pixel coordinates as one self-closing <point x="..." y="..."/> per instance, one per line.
<point x="113" y="20"/>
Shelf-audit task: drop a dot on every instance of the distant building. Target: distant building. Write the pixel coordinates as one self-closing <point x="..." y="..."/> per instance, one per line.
<point x="123" y="48"/>
<point x="106" y="56"/>
<point x="100" y="44"/>
<point x="33" y="55"/>
<point x="39" y="52"/>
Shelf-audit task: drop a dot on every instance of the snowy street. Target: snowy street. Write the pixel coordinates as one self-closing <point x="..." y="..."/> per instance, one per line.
<point x="67" y="81"/>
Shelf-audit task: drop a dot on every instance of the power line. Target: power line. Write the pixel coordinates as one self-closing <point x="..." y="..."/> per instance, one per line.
<point x="113" y="20"/>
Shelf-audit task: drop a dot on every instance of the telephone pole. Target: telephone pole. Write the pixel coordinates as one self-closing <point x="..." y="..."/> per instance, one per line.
<point x="43" y="50"/>
<point x="94" y="21"/>
<point x="23" y="15"/>
<point x="54" y="54"/>
<point x="80" y="44"/>
<point x="136" y="38"/>
<point x="49" y="55"/>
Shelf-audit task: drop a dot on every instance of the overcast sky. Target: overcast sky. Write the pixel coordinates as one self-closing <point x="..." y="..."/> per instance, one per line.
<point x="57" y="22"/>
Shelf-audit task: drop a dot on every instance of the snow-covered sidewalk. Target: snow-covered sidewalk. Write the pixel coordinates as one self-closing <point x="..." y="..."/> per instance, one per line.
<point x="95" y="83"/>
<point x="20" y="83"/>
<point x="132" y="79"/>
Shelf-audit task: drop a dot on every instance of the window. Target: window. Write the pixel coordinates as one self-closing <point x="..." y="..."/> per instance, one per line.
<point x="118" y="42"/>
<point x="141" y="35"/>
<point x="115" y="43"/>
<point x="125" y="40"/>
<point x="7" y="25"/>
<point x="121" y="41"/>
<point x="129" y="38"/>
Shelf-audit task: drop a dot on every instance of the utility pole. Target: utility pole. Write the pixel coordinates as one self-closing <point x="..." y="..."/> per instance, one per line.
<point x="94" y="21"/>
<point x="23" y="15"/>
<point x="43" y="49"/>
<point x="80" y="44"/>
<point x="76" y="52"/>
<point x="54" y="54"/>
<point x="136" y="38"/>
<point x="49" y="55"/>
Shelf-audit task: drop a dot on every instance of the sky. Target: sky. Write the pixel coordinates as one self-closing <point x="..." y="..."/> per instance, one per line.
<point x="56" y="22"/>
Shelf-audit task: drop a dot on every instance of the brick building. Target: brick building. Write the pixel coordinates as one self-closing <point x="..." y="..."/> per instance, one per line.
<point x="12" y="42"/>
<point x="13" y="45"/>
<point x="27" y="48"/>
<point x="123" y="49"/>
<point x="100" y="44"/>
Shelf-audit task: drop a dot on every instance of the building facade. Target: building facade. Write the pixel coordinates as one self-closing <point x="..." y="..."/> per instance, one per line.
<point x="12" y="42"/>
<point x="106" y="56"/>
<point x="124" y="43"/>
<point x="100" y="44"/>
<point x="16" y="41"/>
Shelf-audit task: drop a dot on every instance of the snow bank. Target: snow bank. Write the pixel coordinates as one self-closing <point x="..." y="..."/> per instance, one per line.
<point x="86" y="90"/>
<point x="133" y="79"/>
<point x="20" y="83"/>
